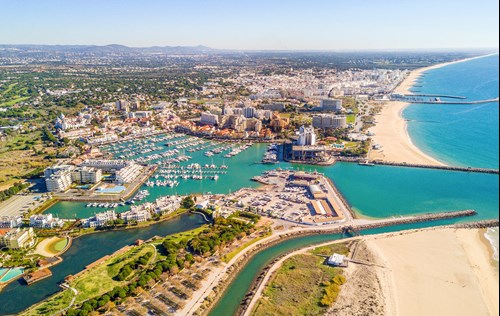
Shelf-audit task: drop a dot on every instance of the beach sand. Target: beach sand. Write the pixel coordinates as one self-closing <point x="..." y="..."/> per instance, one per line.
<point x="437" y="272"/>
<point x="391" y="128"/>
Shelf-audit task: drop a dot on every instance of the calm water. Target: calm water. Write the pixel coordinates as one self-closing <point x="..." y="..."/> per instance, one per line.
<point x="466" y="134"/>
<point x="85" y="250"/>
<point x="230" y="301"/>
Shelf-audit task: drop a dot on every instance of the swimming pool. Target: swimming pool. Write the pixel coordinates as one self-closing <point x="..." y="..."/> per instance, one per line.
<point x="10" y="274"/>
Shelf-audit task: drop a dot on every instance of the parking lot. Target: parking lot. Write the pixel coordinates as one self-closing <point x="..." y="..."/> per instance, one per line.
<point x="21" y="204"/>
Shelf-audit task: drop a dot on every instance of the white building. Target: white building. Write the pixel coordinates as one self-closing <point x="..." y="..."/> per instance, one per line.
<point x="336" y="260"/>
<point x="329" y="121"/>
<point x="86" y="175"/>
<point x="58" y="178"/>
<point x="307" y="136"/>
<point x="17" y="238"/>
<point x="10" y="221"/>
<point x="140" y="114"/>
<point x="249" y="112"/>
<point x="140" y="215"/>
<point x="209" y="118"/>
<point x="65" y="123"/>
<point x="124" y="171"/>
<point x="100" y="219"/>
<point x="45" y="221"/>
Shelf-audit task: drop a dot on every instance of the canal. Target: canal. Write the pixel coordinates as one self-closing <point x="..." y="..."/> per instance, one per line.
<point x="17" y="296"/>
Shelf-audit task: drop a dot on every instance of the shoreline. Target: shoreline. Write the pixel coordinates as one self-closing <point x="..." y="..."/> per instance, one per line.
<point x="468" y="241"/>
<point x="391" y="130"/>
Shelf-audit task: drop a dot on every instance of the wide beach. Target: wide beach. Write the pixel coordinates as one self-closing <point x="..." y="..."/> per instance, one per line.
<point x="391" y="128"/>
<point x="437" y="272"/>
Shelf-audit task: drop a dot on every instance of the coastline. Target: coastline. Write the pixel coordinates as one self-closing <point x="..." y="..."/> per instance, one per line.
<point x="391" y="129"/>
<point x="421" y="265"/>
<point x="448" y="259"/>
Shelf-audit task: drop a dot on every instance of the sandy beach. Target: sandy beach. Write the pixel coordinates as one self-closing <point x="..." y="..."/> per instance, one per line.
<point x="391" y="128"/>
<point x="437" y="272"/>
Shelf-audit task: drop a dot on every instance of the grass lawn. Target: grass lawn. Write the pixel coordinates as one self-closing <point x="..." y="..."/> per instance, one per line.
<point x="184" y="235"/>
<point x="351" y="119"/>
<point x="298" y="286"/>
<point x="57" y="245"/>
<point x="99" y="280"/>
<point x="14" y="101"/>
<point x="350" y="144"/>
<point x="52" y="306"/>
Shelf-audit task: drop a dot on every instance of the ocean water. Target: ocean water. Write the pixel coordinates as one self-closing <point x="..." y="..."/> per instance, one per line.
<point x="459" y="134"/>
<point x="493" y="236"/>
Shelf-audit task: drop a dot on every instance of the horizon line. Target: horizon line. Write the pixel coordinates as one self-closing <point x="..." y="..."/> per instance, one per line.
<point x="445" y="49"/>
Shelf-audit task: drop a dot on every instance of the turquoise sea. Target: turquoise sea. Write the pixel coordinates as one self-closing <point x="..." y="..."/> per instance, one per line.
<point x="458" y="134"/>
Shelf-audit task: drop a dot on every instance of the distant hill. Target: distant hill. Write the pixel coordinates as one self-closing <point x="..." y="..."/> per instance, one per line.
<point x="112" y="48"/>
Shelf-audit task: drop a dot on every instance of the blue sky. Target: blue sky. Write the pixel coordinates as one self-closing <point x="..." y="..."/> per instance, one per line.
<point x="257" y="24"/>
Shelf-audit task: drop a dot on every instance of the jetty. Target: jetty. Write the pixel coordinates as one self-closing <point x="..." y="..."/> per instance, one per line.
<point x="435" y="95"/>
<point x="422" y="166"/>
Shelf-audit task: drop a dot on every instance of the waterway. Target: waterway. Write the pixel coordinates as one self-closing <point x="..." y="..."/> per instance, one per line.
<point x="86" y="249"/>
<point x="378" y="191"/>
<point x="238" y="288"/>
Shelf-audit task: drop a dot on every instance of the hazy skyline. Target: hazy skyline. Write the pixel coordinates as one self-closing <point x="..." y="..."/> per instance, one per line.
<point x="255" y="25"/>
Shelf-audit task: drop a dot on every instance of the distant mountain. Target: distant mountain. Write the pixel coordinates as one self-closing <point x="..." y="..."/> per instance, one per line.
<point x="112" y="48"/>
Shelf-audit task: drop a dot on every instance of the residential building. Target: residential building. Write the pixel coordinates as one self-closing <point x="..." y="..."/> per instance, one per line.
<point x="140" y="114"/>
<point x="58" y="178"/>
<point x="209" y="118"/>
<point x="307" y="136"/>
<point x="249" y="112"/>
<point x="65" y="123"/>
<point x="86" y="175"/>
<point x="330" y="105"/>
<point x="329" y="121"/>
<point x="140" y="215"/>
<point x="11" y="221"/>
<point x="100" y="219"/>
<point x="274" y="107"/>
<point x="45" y="221"/>
<point x="17" y="238"/>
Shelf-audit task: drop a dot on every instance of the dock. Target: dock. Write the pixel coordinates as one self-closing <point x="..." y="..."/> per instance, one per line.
<point x="36" y="276"/>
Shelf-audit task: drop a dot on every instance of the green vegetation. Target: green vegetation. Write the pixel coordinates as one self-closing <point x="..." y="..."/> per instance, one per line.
<point x="303" y="285"/>
<point x="57" y="245"/>
<point x="187" y="202"/>
<point x="14" y="189"/>
<point x="236" y="251"/>
<point x="351" y="119"/>
<point x="222" y="233"/>
<point x="125" y="275"/>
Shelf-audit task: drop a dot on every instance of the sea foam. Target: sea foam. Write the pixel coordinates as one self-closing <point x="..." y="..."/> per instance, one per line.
<point x="492" y="234"/>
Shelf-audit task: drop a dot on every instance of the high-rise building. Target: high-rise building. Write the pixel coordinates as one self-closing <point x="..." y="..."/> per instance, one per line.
<point x="249" y="112"/>
<point x="209" y="118"/>
<point x="307" y="136"/>
<point x="331" y="105"/>
<point x="58" y="178"/>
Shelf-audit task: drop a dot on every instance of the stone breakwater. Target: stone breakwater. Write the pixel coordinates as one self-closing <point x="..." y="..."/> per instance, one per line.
<point x="233" y="270"/>
<point x="409" y="165"/>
